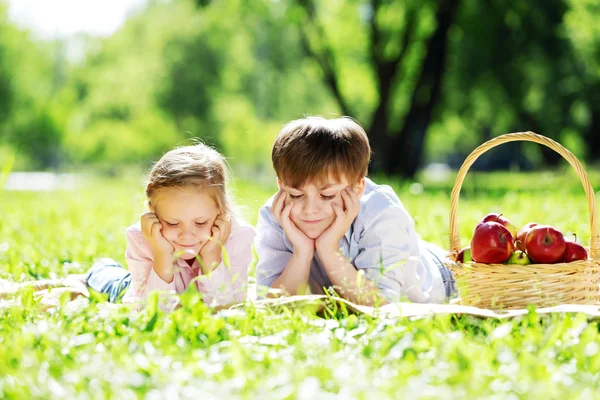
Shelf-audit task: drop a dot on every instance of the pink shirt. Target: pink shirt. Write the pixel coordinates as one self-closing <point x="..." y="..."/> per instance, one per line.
<point x="222" y="286"/>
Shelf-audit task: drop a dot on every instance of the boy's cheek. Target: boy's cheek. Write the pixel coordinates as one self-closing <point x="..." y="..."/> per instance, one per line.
<point x="296" y="209"/>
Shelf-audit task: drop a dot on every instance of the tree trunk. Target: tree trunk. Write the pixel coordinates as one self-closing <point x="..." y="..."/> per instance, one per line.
<point x="378" y="131"/>
<point x="592" y="136"/>
<point x="403" y="151"/>
<point x="386" y="71"/>
<point x="550" y="157"/>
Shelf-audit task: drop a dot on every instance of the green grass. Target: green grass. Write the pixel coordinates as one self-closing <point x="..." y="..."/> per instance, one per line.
<point x="102" y="352"/>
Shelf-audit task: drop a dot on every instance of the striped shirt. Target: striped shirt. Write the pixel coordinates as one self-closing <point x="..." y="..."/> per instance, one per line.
<point x="381" y="241"/>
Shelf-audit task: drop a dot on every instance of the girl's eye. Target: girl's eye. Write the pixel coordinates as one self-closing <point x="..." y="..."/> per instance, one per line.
<point x="294" y="197"/>
<point x="171" y="224"/>
<point x="328" y="197"/>
<point x="201" y="223"/>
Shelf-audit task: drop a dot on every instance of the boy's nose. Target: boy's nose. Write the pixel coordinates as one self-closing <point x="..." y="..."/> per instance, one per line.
<point x="310" y="207"/>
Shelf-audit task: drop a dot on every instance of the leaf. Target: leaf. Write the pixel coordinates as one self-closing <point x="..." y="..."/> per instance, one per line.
<point x="6" y="168"/>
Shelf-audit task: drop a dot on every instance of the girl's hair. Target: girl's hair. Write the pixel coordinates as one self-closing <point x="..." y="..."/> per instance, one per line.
<point x="198" y="166"/>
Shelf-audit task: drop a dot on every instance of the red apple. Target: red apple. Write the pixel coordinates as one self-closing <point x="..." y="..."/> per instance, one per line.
<point x="574" y="252"/>
<point x="545" y="244"/>
<point x="495" y="217"/>
<point x="464" y="255"/>
<point x="524" y="231"/>
<point x="492" y="243"/>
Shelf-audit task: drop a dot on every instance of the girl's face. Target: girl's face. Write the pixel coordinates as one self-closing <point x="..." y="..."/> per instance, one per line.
<point x="187" y="216"/>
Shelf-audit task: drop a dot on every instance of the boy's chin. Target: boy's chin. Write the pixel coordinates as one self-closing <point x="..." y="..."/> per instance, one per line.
<point x="313" y="233"/>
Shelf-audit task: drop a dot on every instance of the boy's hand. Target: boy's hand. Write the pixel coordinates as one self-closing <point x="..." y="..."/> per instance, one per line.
<point x="345" y="214"/>
<point x="220" y="233"/>
<point x="281" y="208"/>
<point x="152" y="231"/>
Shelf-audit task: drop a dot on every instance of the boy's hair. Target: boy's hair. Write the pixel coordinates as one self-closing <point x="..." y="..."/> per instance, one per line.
<point x="198" y="166"/>
<point x="312" y="148"/>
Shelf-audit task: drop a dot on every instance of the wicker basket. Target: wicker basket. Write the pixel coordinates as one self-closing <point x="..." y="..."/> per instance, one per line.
<point x="501" y="286"/>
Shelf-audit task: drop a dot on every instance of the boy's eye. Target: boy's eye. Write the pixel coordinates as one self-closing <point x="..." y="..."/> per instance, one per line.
<point x="171" y="224"/>
<point x="328" y="197"/>
<point x="295" y="196"/>
<point x="201" y="223"/>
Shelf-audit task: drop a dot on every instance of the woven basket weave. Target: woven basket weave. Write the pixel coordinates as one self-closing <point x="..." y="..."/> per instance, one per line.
<point x="502" y="286"/>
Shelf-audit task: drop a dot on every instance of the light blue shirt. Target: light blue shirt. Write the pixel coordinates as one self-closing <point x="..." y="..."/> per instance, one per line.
<point x="381" y="241"/>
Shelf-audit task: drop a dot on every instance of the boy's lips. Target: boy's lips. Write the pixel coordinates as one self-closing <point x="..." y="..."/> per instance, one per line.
<point x="314" y="221"/>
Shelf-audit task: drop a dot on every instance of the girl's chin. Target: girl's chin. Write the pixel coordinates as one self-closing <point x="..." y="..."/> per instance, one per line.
<point x="186" y="254"/>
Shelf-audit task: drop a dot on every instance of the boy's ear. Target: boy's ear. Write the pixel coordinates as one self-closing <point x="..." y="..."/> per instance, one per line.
<point x="278" y="184"/>
<point x="360" y="187"/>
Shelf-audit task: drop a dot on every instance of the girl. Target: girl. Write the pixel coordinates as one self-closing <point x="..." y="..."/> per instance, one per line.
<point x="190" y="221"/>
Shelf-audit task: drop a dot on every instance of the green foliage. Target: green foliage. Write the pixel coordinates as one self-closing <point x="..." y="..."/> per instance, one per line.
<point x="231" y="73"/>
<point x="175" y="71"/>
<point x="585" y="33"/>
<point x="36" y="133"/>
<point x="6" y="168"/>
<point x="27" y="82"/>
<point x="532" y="79"/>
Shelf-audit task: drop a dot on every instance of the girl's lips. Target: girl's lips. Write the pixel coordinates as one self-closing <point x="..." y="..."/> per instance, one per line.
<point x="189" y="246"/>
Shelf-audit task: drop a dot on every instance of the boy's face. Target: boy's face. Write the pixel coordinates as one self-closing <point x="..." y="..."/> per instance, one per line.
<point x="313" y="212"/>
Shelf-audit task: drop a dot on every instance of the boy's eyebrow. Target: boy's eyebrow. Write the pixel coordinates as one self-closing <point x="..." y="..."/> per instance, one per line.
<point x="327" y="186"/>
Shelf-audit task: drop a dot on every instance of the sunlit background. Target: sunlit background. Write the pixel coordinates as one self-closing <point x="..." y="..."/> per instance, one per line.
<point x="63" y="18"/>
<point x="105" y="84"/>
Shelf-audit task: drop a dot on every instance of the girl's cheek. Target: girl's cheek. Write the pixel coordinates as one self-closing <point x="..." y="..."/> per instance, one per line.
<point x="167" y="230"/>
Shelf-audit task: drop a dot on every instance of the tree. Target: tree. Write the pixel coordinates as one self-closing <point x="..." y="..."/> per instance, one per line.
<point x="515" y="56"/>
<point x="6" y="86"/>
<point x="581" y="24"/>
<point x="418" y="41"/>
<point x="27" y="116"/>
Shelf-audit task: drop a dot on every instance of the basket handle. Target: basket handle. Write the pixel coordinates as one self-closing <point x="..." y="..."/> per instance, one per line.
<point x="528" y="137"/>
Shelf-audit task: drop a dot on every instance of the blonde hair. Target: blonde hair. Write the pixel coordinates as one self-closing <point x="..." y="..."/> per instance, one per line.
<point x="312" y="148"/>
<point x="198" y="166"/>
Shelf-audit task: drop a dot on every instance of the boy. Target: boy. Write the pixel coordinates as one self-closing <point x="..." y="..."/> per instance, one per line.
<point x="330" y="226"/>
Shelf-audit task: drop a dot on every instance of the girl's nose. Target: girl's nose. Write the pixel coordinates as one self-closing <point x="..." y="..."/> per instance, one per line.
<point x="186" y="231"/>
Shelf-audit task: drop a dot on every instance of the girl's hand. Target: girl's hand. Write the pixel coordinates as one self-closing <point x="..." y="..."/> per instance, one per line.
<point x="152" y="231"/>
<point x="211" y="250"/>
<point x="281" y="208"/>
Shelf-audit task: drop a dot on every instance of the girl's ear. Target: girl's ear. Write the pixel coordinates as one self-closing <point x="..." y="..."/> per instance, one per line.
<point x="360" y="187"/>
<point x="149" y="206"/>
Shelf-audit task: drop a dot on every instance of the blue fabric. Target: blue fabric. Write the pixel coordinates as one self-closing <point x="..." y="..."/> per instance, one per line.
<point x="382" y="235"/>
<point x="436" y="255"/>
<point x="109" y="277"/>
